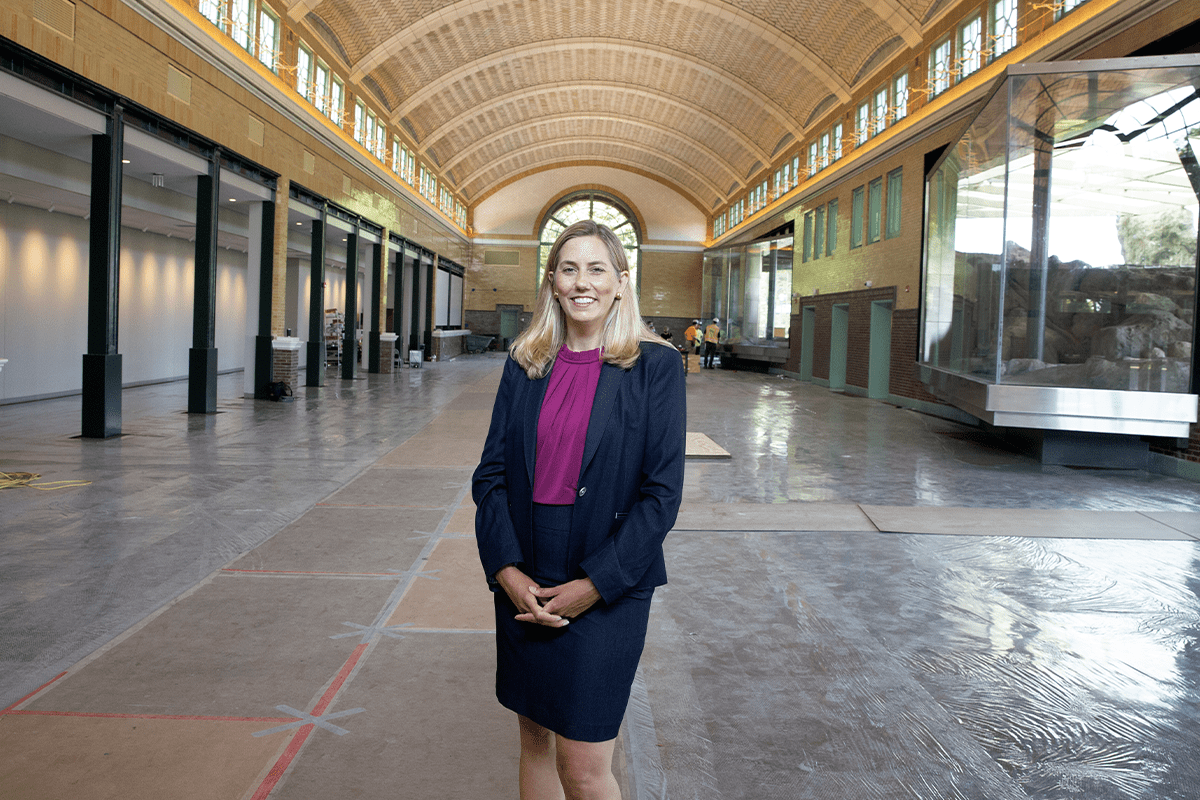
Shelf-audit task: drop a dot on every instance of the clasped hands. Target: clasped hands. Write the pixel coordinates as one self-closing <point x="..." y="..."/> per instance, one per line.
<point x="554" y="606"/>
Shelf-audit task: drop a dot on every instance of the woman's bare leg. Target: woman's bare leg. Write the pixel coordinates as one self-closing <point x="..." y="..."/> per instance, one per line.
<point x="585" y="769"/>
<point x="538" y="771"/>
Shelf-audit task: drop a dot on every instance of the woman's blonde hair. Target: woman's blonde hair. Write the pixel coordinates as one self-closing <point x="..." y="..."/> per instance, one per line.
<point x="624" y="329"/>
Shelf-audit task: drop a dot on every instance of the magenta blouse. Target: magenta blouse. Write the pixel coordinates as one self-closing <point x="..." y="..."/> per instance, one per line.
<point x="562" y="425"/>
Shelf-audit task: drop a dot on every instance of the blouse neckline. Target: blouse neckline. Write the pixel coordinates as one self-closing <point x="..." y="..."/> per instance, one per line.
<point x="585" y="357"/>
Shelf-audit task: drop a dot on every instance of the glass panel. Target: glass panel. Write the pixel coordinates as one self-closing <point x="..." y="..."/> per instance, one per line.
<point x="894" y="203"/>
<point x="241" y="24"/>
<point x="819" y="232"/>
<point x="808" y="224"/>
<point x="856" y="218"/>
<point x="782" y="252"/>
<point x="964" y="251"/>
<point x="831" y="225"/>
<point x="1062" y="233"/>
<point x="733" y="303"/>
<point x="758" y="291"/>
<point x="874" y="209"/>
<point x="268" y="27"/>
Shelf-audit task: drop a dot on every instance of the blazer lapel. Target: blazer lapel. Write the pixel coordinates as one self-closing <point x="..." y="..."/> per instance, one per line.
<point x="533" y="409"/>
<point x="602" y="406"/>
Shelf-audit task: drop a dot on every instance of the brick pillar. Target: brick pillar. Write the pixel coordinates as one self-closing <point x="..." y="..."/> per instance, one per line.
<point x="285" y="361"/>
<point x="387" y="350"/>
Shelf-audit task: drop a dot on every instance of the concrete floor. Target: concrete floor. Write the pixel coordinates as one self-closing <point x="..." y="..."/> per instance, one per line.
<point x="284" y="600"/>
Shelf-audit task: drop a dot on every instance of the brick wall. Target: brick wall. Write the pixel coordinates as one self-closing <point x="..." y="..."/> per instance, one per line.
<point x="902" y="380"/>
<point x="1167" y="446"/>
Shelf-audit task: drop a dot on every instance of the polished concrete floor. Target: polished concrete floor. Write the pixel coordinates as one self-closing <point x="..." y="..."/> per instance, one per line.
<point x="865" y="602"/>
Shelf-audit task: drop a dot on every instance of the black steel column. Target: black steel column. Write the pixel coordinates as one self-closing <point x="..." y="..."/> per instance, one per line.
<point x="316" y="306"/>
<point x="349" y="339"/>
<point x="263" y="354"/>
<point x="101" y="416"/>
<point x="414" y="325"/>
<point x="430" y="274"/>
<point x="374" y="330"/>
<point x="202" y="358"/>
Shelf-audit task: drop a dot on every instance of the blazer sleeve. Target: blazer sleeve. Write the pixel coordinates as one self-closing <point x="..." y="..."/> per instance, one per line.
<point x="494" y="532"/>
<point x="624" y="557"/>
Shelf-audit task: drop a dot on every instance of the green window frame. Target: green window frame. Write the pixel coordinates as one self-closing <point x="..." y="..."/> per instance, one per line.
<point x="895" y="189"/>
<point x="856" y="218"/>
<point x="874" y="209"/>
<point x="831" y="220"/>
<point x="806" y="253"/>
<point x="818" y="232"/>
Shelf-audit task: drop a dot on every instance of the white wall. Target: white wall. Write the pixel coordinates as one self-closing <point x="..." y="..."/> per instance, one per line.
<point x="43" y="304"/>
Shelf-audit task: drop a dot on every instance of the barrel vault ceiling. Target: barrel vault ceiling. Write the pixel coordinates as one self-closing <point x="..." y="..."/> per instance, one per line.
<point x="699" y="94"/>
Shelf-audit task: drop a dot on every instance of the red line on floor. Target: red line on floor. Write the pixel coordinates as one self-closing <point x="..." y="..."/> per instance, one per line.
<point x="285" y="761"/>
<point x="31" y="694"/>
<point x="347" y="668"/>
<point x="302" y="572"/>
<point x="185" y="717"/>
<point x="293" y="749"/>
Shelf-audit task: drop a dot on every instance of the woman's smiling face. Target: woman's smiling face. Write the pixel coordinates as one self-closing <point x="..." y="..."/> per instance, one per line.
<point x="586" y="283"/>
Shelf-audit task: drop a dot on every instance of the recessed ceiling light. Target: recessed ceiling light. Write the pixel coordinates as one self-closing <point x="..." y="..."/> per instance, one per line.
<point x="124" y="160"/>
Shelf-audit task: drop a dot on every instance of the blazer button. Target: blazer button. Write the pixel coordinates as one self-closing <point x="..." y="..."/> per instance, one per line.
<point x="582" y="491"/>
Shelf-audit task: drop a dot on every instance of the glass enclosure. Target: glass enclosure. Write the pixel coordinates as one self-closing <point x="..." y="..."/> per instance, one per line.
<point x="1061" y="231"/>
<point x="749" y="287"/>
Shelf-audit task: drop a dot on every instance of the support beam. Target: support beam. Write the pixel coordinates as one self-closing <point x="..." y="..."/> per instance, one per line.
<point x="371" y="337"/>
<point x="315" y="375"/>
<point x="202" y="358"/>
<point x="101" y="417"/>
<point x="349" y="330"/>
<point x="260" y="273"/>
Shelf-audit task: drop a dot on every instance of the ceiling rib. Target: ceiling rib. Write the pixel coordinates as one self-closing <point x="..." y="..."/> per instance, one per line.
<point x="449" y="79"/>
<point x="607" y="161"/>
<point x="395" y="44"/>
<point x="900" y="19"/>
<point x="657" y="128"/>
<point x="727" y="129"/>
<point x="687" y="169"/>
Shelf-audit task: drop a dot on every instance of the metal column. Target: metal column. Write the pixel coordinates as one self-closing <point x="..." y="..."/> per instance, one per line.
<point x="378" y="253"/>
<point x="263" y="355"/>
<point x="202" y="358"/>
<point x="316" y="306"/>
<point x="349" y="339"/>
<point x="101" y="417"/>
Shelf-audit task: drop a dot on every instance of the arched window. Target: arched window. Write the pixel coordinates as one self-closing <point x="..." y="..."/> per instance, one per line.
<point x="602" y="208"/>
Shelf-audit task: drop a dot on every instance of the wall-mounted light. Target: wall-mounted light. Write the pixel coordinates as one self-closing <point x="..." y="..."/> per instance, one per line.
<point x="156" y="180"/>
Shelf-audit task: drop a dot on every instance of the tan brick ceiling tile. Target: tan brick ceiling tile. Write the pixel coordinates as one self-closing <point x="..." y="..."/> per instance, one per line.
<point x="693" y="92"/>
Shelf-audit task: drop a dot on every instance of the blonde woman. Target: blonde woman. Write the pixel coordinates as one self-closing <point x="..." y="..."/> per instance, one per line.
<point x="579" y="482"/>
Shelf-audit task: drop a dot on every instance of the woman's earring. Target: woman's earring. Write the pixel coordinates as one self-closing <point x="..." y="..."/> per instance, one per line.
<point x="618" y="297"/>
<point x="556" y="295"/>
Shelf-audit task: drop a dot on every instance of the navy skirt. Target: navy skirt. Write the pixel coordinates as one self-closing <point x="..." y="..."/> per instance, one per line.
<point x="573" y="680"/>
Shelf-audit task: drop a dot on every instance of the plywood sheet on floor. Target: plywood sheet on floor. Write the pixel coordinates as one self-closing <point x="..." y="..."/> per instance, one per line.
<point x="772" y="517"/>
<point x="1055" y="523"/>
<point x="433" y="450"/>
<point x="91" y="758"/>
<point x="346" y="539"/>
<point x="1183" y="521"/>
<point x="402" y="487"/>
<point x="698" y="445"/>
<point x="431" y="727"/>
<point x="238" y="646"/>
<point x="453" y="595"/>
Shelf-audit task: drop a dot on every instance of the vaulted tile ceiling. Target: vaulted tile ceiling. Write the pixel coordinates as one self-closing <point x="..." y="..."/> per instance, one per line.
<point x="697" y="93"/>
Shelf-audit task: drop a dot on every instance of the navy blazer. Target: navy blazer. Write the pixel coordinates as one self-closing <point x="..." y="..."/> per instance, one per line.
<point x="630" y="482"/>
